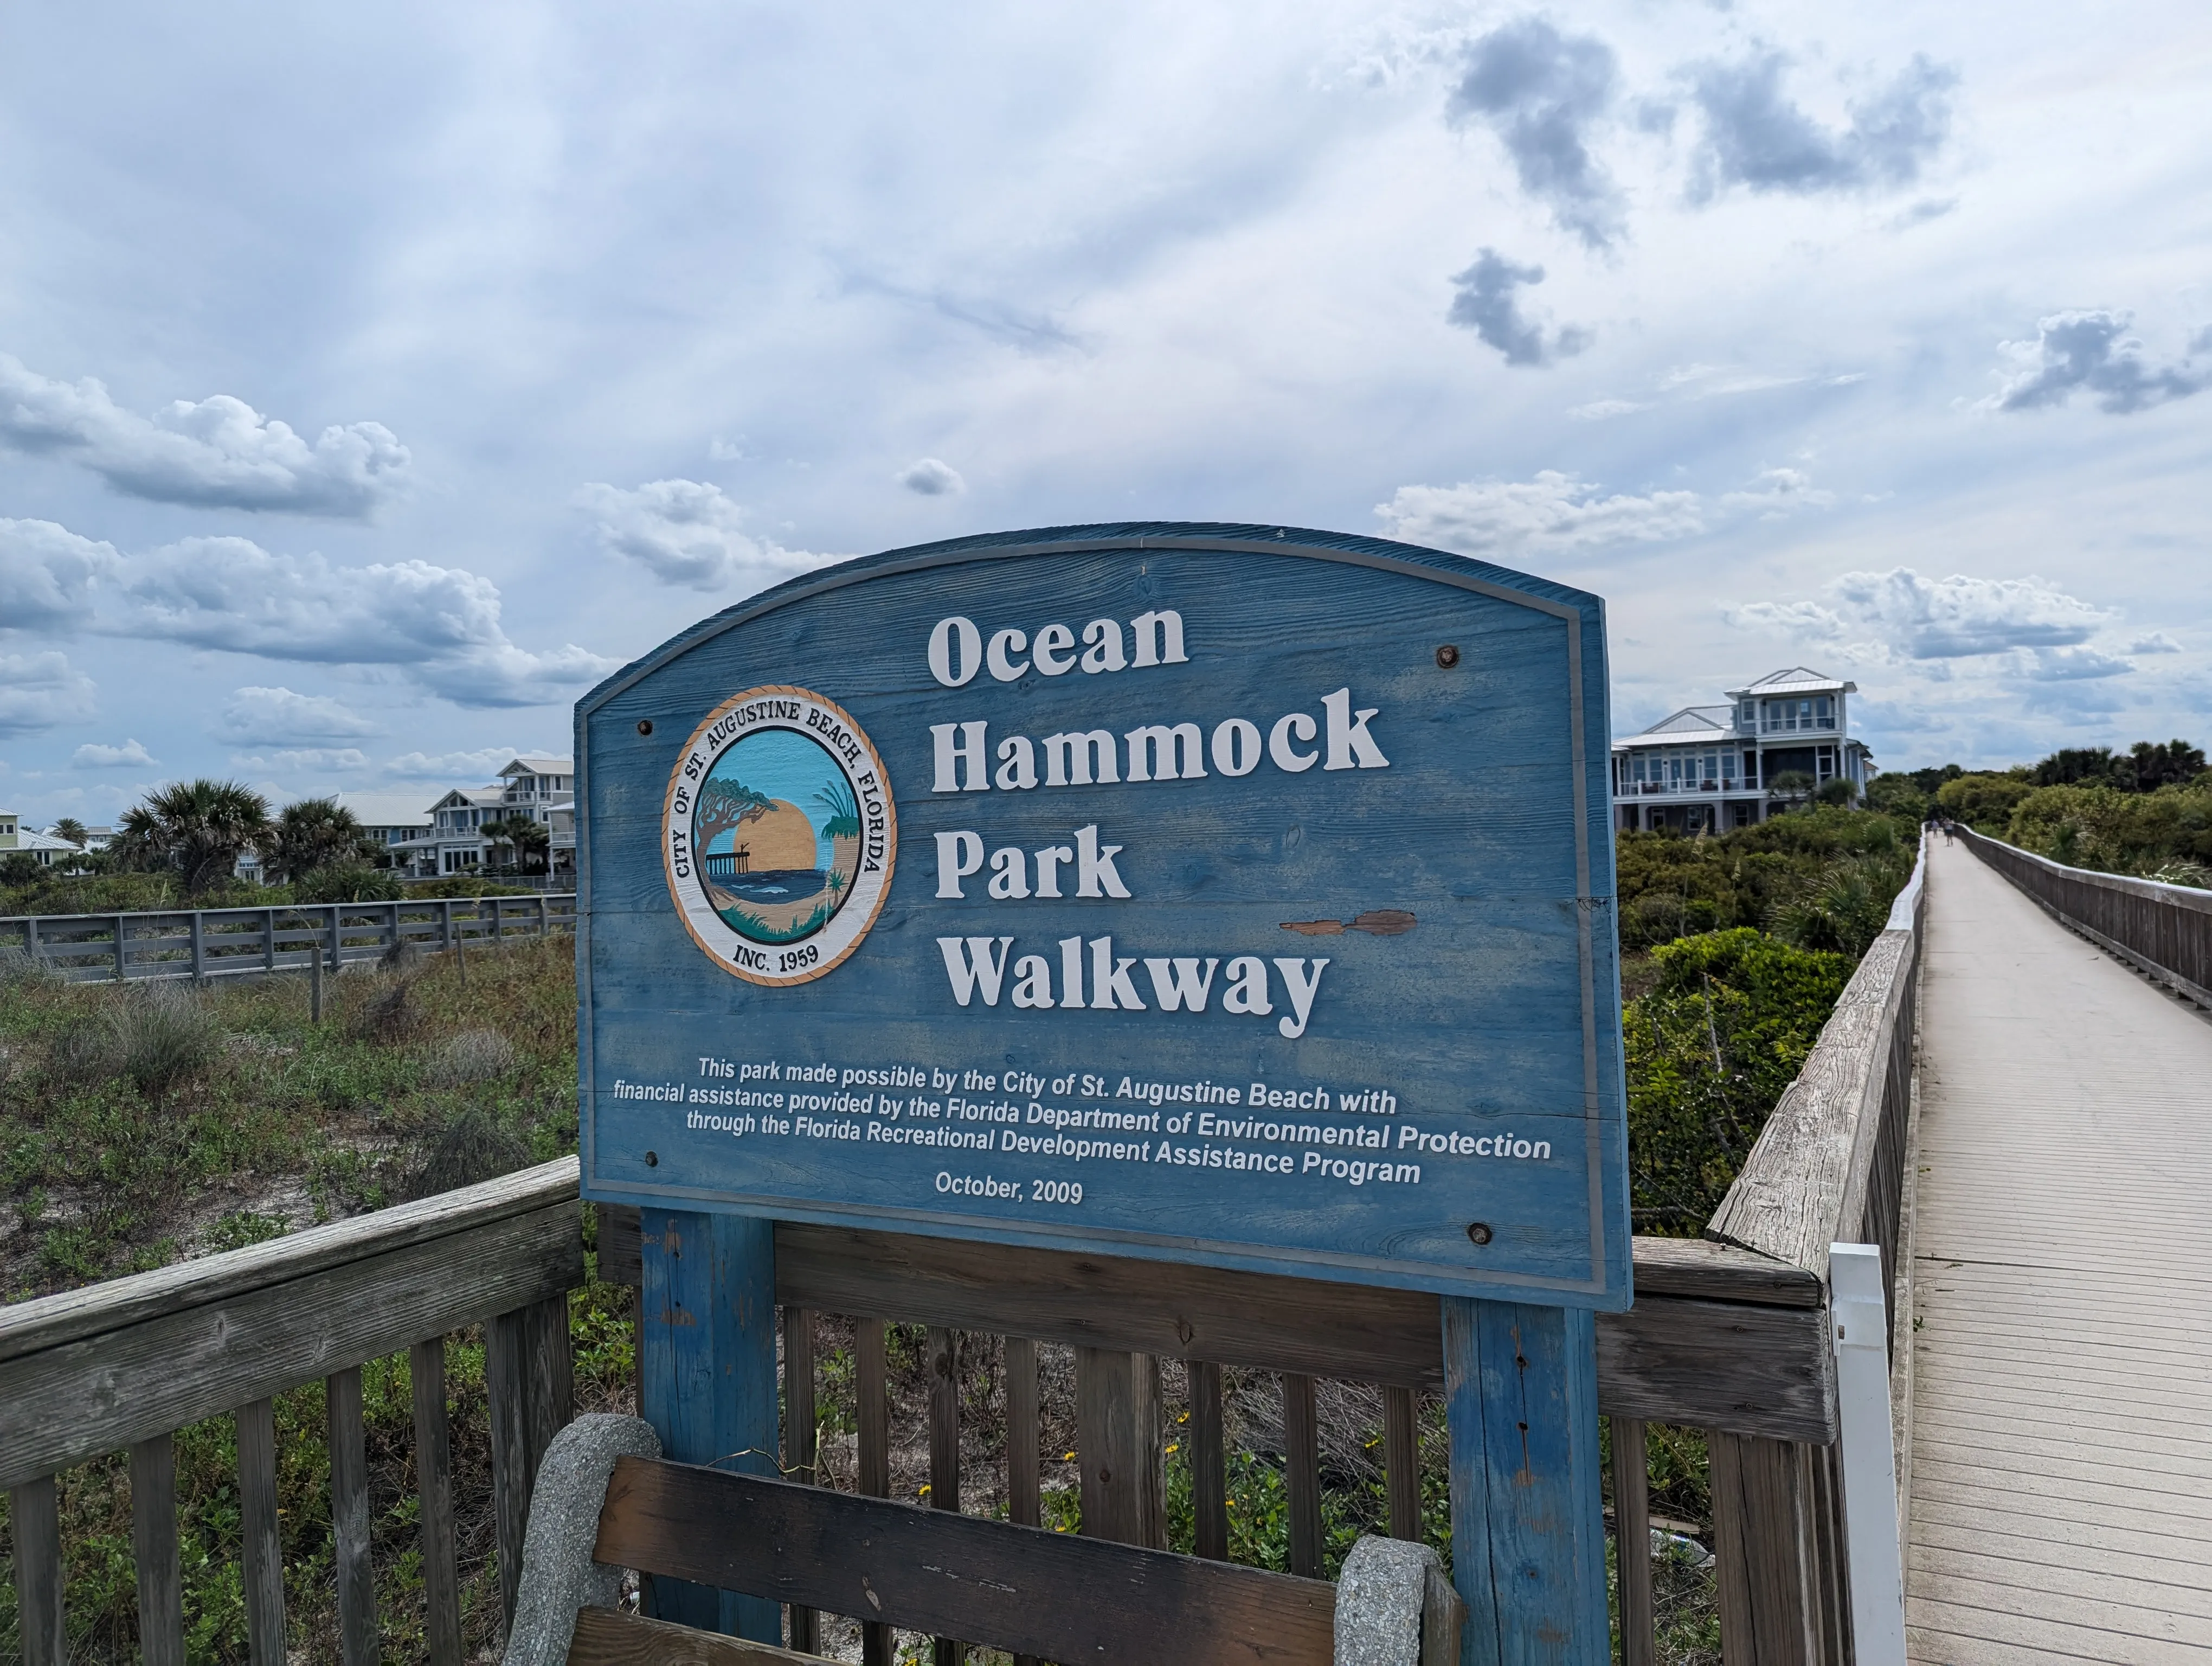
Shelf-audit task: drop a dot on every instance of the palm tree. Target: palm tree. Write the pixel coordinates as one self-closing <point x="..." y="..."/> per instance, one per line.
<point x="70" y="828"/>
<point x="315" y="833"/>
<point x="196" y="828"/>
<point x="529" y="838"/>
<point x="518" y="833"/>
<point x="1791" y="786"/>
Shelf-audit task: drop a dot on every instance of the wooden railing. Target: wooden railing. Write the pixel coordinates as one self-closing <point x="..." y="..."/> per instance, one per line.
<point x="1730" y="1335"/>
<point x="122" y="1365"/>
<point x="1828" y="1168"/>
<point x="1720" y="1338"/>
<point x="202" y="943"/>
<point x="2167" y="930"/>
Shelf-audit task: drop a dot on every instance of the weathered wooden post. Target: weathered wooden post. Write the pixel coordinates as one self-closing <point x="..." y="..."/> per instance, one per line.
<point x="1229" y="895"/>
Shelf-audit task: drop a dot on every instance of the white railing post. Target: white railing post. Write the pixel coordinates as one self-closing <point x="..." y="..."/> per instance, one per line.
<point x="1860" y="1334"/>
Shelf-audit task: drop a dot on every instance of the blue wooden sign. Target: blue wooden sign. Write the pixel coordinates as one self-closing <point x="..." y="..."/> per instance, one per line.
<point x="1216" y="894"/>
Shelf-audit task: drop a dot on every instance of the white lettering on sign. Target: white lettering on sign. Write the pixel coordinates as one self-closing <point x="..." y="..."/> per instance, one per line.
<point x="1162" y="752"/>
<point x="958" y="649"/>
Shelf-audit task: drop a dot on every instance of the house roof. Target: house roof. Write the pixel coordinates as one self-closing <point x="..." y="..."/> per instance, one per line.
<point x="1796" y="680"/>
<point x="475" y="798"/>
<point x="1692" y="723"/>
<point x="540" y="763"/>
<point x="386" y="809"/>
<point x="29" y="838"/>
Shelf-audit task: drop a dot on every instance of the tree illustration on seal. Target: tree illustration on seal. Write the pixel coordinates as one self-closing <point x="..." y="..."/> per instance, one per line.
<point x="724" y="805"/>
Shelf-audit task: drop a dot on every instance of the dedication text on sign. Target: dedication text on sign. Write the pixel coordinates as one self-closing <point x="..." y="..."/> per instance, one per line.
<point x="1213" y="894"/>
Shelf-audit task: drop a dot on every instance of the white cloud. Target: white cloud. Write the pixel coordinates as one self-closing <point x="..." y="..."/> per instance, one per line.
<point x="278" y="717"/>
<point x="441" y="625"/>
<point x="472" y="766"/>
<point x="218" y="453"/>
<point x="2073" y="664"/>
<point x="1598" y="410"/>
<point x="932" y="478"/>
<point x="1917" y="619"/>
<point x="1552" y="514"/>
<point x="689" y="533"/>
<point x="47" y="573"/>
<point x="2155" y="642"/>
<point x="131" y="754"/>
<point x="292" y="759"/>
<point x="39" y="691"/>
<point x="1777" y="492"/>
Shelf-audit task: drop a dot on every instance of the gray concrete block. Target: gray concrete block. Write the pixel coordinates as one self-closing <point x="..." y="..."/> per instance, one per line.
<point x="1378" y="1603"/>
<point x="558" y="1574"/>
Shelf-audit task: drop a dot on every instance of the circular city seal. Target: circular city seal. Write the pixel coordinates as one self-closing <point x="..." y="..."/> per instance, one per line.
<point x="779" y="835"/>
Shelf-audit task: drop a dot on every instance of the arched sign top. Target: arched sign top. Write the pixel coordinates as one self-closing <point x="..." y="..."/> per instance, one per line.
<point x="1224" y="894"/>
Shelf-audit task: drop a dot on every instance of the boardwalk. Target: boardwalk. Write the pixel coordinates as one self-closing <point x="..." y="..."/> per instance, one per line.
<point x="2062" y="1441"/>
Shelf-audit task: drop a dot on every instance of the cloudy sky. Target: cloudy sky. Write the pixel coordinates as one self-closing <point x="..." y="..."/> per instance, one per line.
<point x="373" y="379"/>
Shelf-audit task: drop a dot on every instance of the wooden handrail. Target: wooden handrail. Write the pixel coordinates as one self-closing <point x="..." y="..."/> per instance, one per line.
<point x="1809" y="1180"/>
<point x="2166" y="930"/>
<point x="48" y="1322"/>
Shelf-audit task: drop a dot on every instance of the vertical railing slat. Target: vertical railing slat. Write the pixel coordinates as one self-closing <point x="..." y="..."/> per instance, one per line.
<point x="1767" y="1612"/>
<point x="1302" y="1466"/>
<point x="434" y="1486"/>
<point x="34" y="1523"/>
<point x="1024" y="1494"/>
<point x="872" y="1414"/>
<point x="506" y="1348"/>
<point x="262" y="1532"/>
<point x="801" y="1432"/>
<point x="944" y="1452"/>
<point x="1632" y="1517"/>
<point x="154" y="1547"/>
<point x="551" y="1367"/>
<point x="1209" y="1461"/>
<point x="1401" y="1464"/>
<point x="1117" y="1437"/>
<point x="122" y="952"/>
<point x="358" y="1641"/>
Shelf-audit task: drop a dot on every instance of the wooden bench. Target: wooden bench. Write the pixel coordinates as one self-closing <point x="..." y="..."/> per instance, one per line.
<point x="1039" y="1595"/>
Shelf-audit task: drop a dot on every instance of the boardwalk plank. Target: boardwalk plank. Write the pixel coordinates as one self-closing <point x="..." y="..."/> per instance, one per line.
<point x="2062" y="1476"/>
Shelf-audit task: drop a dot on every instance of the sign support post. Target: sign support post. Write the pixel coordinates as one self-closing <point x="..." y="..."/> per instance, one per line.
<point x="1528" y="1514"/>
<point x="706" y="1379"/>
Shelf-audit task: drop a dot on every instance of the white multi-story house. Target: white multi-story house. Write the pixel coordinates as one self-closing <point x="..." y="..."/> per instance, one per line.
<point x="537" y="788"/>
<point x="1711" y="768"/>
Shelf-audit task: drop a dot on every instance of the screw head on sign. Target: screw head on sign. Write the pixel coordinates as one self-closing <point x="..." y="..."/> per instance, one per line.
<point x="645" y="725"/>
<point x="652" y="1159"/>
<point x="1479" y="1230"/>
<point x="1447" y="656"/>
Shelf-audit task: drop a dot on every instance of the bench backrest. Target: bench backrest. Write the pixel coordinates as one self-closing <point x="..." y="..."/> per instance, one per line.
<point x="1020" y="1589"/>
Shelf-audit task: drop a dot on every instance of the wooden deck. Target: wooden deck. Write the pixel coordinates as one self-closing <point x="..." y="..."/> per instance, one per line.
<point x="2061" y="1439"/>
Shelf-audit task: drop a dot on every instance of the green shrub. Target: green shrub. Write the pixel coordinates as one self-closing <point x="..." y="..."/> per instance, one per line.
<point x="348" y="882"/>
<point x="466" y="885"/>
<point x="1710" y="1047"/>
<point x="2101" y="827"/>
<point x="470" y="1145"/>
<point x="1985" y="800"/>
<point x="1670" y="886"/>
<point x="161" y="1033"/>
